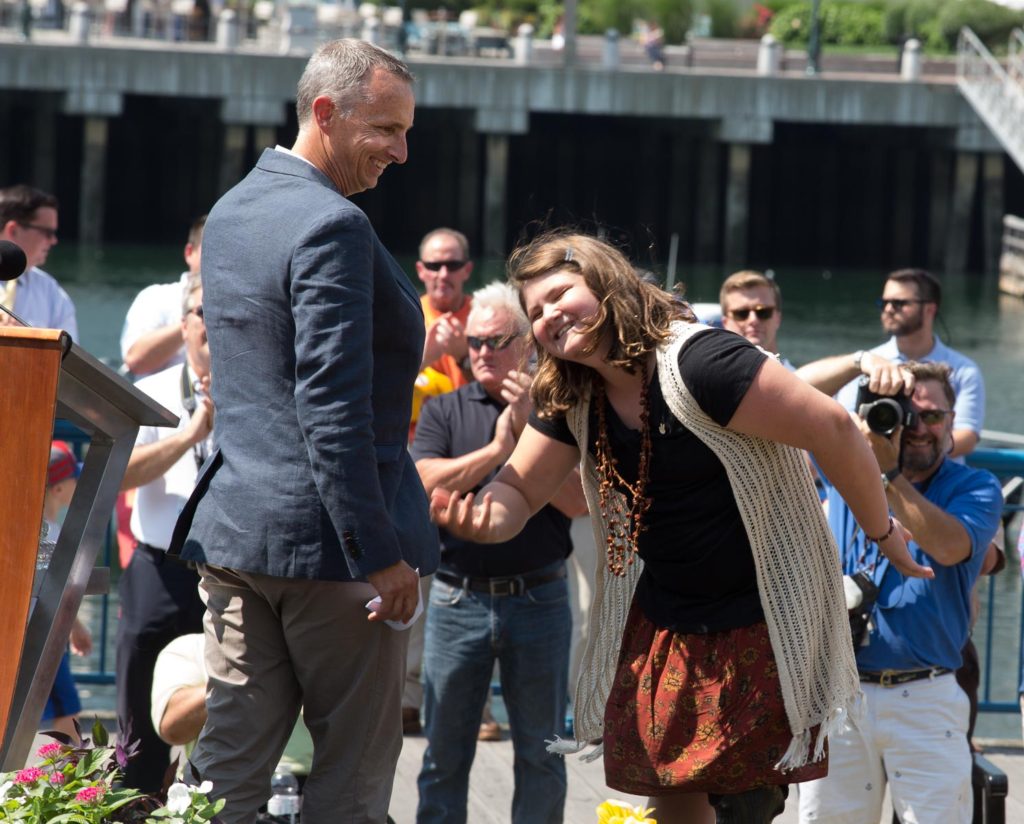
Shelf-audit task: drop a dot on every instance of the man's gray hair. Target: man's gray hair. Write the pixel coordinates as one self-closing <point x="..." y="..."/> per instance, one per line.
<point x="192" y="285"/>
<point x="341" y="70"/>
<point x="499" y="297"/>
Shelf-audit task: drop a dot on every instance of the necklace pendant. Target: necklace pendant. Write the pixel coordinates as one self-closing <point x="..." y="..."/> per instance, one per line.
<point x="661" y="427"/>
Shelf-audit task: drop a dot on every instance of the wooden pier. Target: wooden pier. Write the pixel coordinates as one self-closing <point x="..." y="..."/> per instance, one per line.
<point x="490" y="785"/>
<point x="1011" y="261"/>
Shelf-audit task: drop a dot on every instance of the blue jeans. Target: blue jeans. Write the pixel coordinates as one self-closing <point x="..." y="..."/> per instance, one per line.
<point x="529" y="636"/>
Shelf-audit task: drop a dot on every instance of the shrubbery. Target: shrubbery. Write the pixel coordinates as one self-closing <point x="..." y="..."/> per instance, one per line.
<point x="881" y="23"/>
<point x="936" y="23"/>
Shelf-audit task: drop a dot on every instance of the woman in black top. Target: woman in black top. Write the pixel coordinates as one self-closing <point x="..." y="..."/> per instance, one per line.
<point x="695" y="712"/>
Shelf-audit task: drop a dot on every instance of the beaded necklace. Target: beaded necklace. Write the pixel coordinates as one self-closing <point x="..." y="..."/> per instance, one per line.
<point x="624" y="527"/>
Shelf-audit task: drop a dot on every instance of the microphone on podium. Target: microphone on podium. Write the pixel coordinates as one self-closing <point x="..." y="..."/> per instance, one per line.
<point x="12" y="264"/>
<point x="12" y="260"/>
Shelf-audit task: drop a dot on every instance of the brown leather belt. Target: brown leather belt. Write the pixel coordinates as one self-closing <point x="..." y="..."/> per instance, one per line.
<point x="508" y="585"/>
<point x="890" y="678"/>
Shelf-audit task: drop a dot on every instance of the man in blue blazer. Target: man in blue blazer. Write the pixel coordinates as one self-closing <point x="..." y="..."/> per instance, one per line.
<point x="311" y="505"/>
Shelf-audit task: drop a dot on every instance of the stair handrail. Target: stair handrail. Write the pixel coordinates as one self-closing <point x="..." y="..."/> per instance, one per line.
<point x="1015" y="57"/>
<point x="998" y="100"/>
<point x="973" y="59"/>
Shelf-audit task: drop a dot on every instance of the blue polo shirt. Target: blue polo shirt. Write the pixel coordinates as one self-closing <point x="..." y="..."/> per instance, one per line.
<point x="968" y="384"/>
<point x="460" y="422"/>
<point x="920" y="623"/>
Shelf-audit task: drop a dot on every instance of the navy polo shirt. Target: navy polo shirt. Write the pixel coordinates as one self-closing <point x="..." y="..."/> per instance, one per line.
<point x="460" y="422"/>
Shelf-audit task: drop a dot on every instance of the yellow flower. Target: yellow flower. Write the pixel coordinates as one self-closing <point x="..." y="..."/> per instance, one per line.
<point x="619" y="812"/>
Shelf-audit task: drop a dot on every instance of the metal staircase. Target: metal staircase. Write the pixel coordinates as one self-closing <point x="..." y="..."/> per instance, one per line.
<point x="995" y="93"/>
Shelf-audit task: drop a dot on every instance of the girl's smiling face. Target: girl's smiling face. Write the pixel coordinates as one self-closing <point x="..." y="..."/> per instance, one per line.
<point x="561" y="307"/>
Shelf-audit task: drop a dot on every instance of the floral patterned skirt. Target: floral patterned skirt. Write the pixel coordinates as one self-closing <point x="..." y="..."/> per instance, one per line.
<point x="697" y="713"/>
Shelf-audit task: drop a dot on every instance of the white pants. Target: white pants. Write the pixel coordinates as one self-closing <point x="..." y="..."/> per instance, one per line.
<point x="914" y="736"/>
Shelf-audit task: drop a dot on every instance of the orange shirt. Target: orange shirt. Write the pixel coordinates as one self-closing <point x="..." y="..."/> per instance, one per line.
<point x="446" y="364"/>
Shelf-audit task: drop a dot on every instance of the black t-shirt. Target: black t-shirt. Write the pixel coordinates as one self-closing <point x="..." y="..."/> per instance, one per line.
<point x="460" y="422"/>
<point x="698" y="568"/>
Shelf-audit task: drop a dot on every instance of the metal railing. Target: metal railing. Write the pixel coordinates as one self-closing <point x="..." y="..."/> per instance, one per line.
<point x="1008" y="466"/>
<point x="997" y="98"/>
<point x="1015" y="58"/>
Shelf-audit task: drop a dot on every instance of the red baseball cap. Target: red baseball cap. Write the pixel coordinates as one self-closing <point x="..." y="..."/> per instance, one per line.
<point x="63" y="464"/>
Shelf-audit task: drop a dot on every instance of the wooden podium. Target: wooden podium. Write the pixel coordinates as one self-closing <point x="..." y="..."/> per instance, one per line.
<point x="44" y="376"/>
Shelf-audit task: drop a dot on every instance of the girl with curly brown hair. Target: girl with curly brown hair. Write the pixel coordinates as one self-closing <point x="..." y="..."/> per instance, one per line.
<point x="719" y="656"/>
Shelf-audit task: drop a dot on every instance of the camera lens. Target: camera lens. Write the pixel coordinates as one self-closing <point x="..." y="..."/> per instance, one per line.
<point x="884" y="416"/>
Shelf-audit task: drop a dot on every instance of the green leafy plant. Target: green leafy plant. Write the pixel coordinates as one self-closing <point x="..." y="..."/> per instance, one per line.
<point x="842" y="23"/>
<point x="875" y="23"/>
<point x="78" y="784"/>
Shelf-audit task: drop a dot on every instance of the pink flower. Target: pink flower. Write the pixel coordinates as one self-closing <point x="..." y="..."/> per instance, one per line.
<point x="28" y="776"/>
<point x="51" y="750"/>
<point x="57" y="778"/>
<point x="90" y="794"/>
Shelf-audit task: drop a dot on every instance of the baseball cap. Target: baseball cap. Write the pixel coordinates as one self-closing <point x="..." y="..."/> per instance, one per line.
<point x="63" y="464"/>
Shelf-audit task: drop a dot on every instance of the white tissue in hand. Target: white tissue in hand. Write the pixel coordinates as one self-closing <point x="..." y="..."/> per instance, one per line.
<point x="374" y="606"/>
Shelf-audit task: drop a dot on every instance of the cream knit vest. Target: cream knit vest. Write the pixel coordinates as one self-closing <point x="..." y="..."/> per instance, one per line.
<point x="798" y="576"/>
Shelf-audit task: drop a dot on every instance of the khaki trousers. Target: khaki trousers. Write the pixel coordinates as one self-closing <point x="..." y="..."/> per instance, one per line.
<point x="274" y="645"/>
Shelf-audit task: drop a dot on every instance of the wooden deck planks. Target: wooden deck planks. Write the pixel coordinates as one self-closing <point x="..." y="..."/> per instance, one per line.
<point x="491" y="782"/>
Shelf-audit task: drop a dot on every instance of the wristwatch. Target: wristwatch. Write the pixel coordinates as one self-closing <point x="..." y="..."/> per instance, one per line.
<point x="889" y="477"/>
<point x="858" y="356"/>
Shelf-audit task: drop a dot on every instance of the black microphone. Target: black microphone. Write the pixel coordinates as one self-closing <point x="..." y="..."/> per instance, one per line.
<point x="12" y="265"/>
<point x="12" y="260"/>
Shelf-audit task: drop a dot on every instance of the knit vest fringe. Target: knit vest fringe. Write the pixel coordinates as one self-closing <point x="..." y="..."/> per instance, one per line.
<point x="798" y="577"/>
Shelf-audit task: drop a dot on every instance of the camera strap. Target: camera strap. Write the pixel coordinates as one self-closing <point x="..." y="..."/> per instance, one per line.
<point x="862" y="564"/>
<point x="190" y="403"/>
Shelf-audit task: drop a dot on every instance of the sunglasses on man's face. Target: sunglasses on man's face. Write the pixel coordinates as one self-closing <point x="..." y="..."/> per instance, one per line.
<point x="45" y="231"/>
<point x="762" y="312"/>
<point x="451" y="265"/>
<point x="933" y="417"/>
<point x="897" y="304"/>
<point x="495" y="342"/>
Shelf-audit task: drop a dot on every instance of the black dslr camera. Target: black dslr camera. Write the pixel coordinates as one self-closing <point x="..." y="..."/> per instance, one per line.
<point x="861" y="593"/>
<point x="884" y="413"/>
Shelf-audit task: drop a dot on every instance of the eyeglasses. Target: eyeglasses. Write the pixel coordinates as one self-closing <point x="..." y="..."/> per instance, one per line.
<point x="931" y="417"/>
<point x="897" y="304"/>
<point x="45" y="231"/>
<point x="436" y="265"/>
<point x="762" y="312"/>
<point x="198" y="312"/>
<point x="495" y="342"/>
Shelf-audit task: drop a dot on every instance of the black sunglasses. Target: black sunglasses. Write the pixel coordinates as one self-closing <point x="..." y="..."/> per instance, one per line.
<point x="897" y="304"/>
<point x="45" y="231"/>
<point x="762" y="312"/>
<point x="931" y="417"/>
<point x="495" y="342"/>
<point x="435" y="265"/>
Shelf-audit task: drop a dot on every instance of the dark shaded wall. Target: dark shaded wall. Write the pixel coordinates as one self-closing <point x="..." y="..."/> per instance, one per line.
<point x="819" y="194"/>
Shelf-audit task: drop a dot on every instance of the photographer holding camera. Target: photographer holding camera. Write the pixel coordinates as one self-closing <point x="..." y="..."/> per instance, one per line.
<point x="909" y="307"/>
<point x="913" y="732"/>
